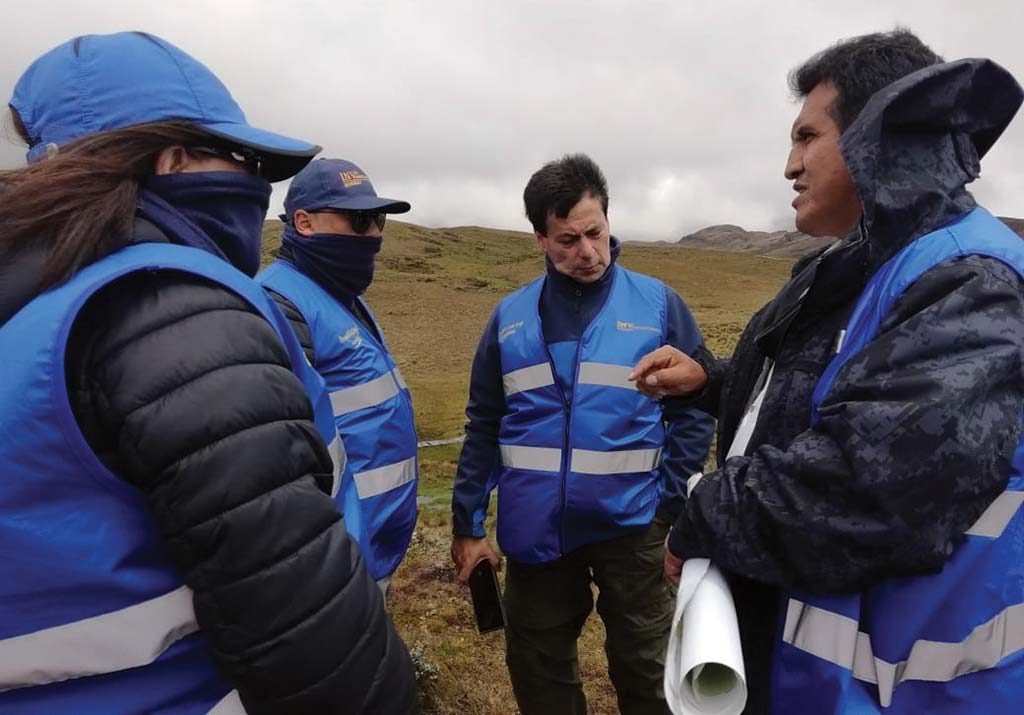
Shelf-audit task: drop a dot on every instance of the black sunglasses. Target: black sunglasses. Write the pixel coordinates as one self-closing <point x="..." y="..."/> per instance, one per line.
<point x="245" y="156"/>
<point x="361" y="220"/>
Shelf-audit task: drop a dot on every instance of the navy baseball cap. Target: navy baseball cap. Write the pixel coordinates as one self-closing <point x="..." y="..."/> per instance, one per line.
<point x="96" y="83"/>
<point x="336" y="184"/>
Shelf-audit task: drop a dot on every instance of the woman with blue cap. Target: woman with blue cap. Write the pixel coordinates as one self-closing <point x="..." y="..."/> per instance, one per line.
<point x="169" y="539"/>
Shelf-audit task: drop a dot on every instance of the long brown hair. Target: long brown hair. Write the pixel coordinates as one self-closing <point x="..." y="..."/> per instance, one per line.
<point x="80" y="202"/>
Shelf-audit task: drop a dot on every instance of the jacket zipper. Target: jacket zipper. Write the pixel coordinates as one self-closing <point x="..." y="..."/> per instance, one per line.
<point x="567" y="408"/>
<point x="563" y="469"/>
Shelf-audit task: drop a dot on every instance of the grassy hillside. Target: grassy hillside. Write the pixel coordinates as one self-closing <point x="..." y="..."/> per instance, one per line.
<point x="433" y="291"/>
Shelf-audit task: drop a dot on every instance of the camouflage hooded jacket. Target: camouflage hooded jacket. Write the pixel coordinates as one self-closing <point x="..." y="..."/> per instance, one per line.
<point x="871" y="493"/>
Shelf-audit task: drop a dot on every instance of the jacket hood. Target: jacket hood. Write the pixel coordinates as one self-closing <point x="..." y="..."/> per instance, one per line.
<point x="917" y="144"/>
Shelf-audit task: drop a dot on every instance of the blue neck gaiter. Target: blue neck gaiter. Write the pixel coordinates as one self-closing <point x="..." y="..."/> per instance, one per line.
<point x="220" y="212"/>
<point x="340" y="264"/>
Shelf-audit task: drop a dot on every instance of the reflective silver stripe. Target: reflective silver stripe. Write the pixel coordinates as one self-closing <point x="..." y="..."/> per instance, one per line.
<point x="836" y="638"/>
<point x="982" y="649"/>
<point x="399" y="379"/>
<point x="745" y="430"/>
<point x="230" y="704"/>
<point x="600" y="373"/>
<point x="692" y="481"/>
<point x="541" y="459"/>
<point x="383" y="479"/>
<point x="128" y="638"/>
<point x="528" y="378"/>
<point x="993" y="522"/>
<point x="339" y="459"/>
<point x="805" y="626"/>
<point x="585" y="461"/>
<point x="362" y="396"/>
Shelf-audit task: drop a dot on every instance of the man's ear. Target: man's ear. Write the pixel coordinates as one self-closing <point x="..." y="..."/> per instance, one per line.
<point x="542" y="241"/>
<point x="303" y="223"/>
<point x="171" y="160"/>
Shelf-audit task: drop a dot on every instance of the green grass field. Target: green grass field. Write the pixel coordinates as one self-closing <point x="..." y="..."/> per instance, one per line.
<point x="432" y="293"/>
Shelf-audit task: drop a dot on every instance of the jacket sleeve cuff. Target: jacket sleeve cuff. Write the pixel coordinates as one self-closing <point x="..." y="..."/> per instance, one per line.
<point x="683" y="541"/>
<point x="473" y="532"/>
<point x="703" y="357"/>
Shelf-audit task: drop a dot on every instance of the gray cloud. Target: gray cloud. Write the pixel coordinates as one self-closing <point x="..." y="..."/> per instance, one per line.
<point x="452" y="104"/>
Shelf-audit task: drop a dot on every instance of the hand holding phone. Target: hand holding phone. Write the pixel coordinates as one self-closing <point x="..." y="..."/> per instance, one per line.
<point x="467" y="551"/>
<point x="486" y="595"/>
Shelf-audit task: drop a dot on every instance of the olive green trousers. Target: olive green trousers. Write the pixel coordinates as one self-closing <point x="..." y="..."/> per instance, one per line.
<point x="547" y="605"/>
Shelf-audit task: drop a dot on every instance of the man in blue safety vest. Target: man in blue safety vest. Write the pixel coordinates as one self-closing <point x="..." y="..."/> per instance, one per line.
<point x="867" y="499"/>
<point x="332" y="234"/>
<point x="588" y="471"/>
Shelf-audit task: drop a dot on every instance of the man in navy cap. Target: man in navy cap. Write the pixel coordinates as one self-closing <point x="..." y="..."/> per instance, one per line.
<point x="333" y="221"/>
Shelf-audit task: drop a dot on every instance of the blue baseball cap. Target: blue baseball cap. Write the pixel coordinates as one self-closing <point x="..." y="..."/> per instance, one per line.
<point x="336" y="184"/>
<point x="96" y="83"/>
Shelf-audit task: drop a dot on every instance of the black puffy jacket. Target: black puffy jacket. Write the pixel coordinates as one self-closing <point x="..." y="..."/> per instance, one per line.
<point x="184" y="391"/>
<point x="870" y="493"/>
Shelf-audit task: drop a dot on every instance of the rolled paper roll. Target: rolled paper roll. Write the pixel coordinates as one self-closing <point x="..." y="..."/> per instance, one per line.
<point x="704" y="664"/>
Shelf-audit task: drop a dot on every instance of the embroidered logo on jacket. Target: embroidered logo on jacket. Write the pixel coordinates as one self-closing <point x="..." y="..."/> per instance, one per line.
<point x="352" y="337"/>
<point x="628" y="327"/>
<point x="507" y="331"/>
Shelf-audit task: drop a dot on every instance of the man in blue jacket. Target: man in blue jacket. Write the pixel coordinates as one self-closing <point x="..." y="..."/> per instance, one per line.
<point x="332" y="234"/>
<point x="589" y="473"/>
<point x="867" y="501"/>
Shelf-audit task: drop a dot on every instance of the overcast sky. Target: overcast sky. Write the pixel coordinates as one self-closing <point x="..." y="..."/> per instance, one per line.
<point x="452" y="104"/>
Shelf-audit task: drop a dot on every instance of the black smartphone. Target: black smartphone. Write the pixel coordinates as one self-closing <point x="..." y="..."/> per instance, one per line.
<point x="486" y="594"/>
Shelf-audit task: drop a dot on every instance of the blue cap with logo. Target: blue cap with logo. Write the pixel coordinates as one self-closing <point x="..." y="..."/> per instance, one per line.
<point x="96" y="83"/>
<point x="336" y="184"/>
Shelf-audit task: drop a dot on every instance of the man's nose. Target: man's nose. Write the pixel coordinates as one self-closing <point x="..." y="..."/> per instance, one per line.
<point x="586" y="248"/>
<point x="794" y="164"/>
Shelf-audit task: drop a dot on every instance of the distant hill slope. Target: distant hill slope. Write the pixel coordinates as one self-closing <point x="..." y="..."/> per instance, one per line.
<point x="1017" y="224"/>
<point x="778" y="244"/>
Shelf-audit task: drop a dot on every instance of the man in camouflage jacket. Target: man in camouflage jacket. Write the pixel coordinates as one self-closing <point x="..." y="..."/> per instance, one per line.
<point x="929" y="412"/>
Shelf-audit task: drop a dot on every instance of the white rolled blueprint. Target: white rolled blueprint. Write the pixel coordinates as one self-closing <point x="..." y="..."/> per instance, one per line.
<point x="704" y="665"/>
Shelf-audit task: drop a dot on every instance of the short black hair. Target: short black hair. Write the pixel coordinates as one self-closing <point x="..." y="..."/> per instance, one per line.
<point x="860" y="66"/>
<point x="559" y="185"/>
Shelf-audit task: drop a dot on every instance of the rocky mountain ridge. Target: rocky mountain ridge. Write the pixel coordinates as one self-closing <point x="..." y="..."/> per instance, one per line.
<point x="777" y="244"/>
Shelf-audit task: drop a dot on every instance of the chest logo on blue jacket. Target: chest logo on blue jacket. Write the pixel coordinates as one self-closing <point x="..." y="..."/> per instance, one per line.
<point x="507" y="331"/>
<point x="352" y="337"/>
<point x="628" y="327"/>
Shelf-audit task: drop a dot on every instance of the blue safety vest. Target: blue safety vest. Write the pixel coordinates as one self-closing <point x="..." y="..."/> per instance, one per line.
<point x="946" y="643"/>
<point x="373" y="413"/>
<point x="586" y="469"/>
<point x="93" y="618"/>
